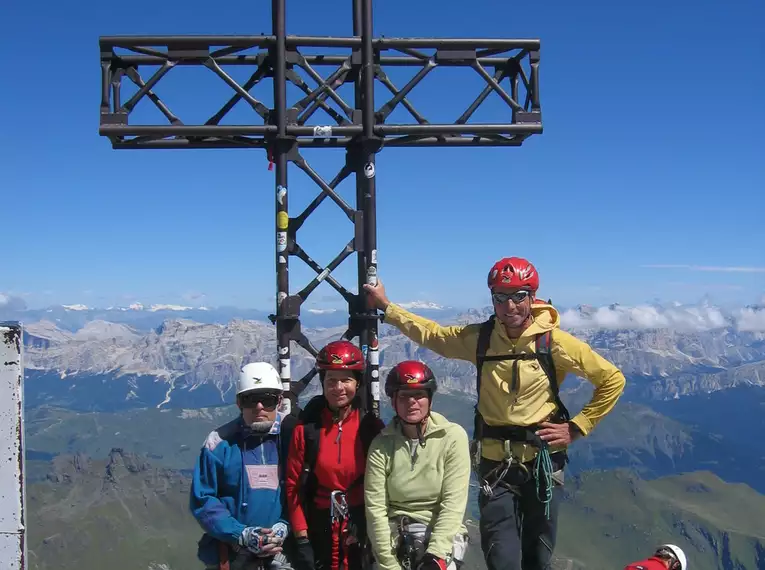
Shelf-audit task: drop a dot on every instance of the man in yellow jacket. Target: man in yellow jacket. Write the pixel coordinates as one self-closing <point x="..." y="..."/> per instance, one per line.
<point x="522" y="428"/>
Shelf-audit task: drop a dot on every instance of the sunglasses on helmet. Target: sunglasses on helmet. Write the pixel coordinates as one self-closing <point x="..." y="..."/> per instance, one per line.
<point x="268" y="401"/>
<point x="517" y="297"/>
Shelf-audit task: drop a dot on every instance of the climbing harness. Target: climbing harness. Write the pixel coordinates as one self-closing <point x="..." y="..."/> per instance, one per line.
<point x="510" y="472"/>
<point x="412" y="544"/>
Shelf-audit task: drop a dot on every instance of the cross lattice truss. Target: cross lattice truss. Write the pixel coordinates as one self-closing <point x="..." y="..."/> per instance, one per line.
<point x="304" y="108"/>
<point x="496" y="61"/>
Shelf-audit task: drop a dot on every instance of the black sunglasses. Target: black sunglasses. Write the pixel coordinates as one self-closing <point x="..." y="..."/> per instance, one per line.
<point x="517" y="297"/>
<point x="268" y="401"/>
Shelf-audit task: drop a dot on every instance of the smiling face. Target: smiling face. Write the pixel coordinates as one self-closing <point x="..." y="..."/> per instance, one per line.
<point x="512" y="306"/>
<point x="339" y="388"/>
<point x="412" y="406"/>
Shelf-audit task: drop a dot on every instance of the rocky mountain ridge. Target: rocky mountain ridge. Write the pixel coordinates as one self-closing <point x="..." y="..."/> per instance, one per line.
<point x="188" y="355"/>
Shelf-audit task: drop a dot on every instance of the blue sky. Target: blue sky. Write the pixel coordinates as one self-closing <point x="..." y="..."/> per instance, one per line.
<point x="640" y="101"/>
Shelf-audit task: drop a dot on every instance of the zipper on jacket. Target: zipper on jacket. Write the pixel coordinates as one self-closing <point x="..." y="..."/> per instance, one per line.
<point x="514" y="382"/>
<point x="338" y="440"/>
<point x="413" y="453"/>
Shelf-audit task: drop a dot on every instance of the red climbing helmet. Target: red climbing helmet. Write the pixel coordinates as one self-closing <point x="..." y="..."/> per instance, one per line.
<point x="340" y="355"/>
<point x="410" y="375"/>
<point x="514" y="272"/>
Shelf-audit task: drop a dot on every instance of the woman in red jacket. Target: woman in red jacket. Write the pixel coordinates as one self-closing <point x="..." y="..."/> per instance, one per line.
<point x="325" y="467"/>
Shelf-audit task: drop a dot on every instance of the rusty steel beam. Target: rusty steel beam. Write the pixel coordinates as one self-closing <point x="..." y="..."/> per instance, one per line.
<point x="12" y="488"/>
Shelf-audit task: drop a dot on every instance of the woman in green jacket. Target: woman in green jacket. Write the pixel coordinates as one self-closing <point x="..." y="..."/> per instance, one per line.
<point x="417" y="478"/>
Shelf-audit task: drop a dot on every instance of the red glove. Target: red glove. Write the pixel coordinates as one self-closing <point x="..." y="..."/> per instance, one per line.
<point x="430" y="562"/>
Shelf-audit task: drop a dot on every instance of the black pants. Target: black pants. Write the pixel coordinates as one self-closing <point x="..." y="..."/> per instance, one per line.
<point x="515" y="532"/>
<point x="320" y="536"/>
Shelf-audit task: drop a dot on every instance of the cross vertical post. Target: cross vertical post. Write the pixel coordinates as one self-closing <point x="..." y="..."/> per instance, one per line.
<point x="363" y="129"/>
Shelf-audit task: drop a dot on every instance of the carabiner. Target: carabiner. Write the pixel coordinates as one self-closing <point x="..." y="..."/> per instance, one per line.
<point x="338" y="506"/>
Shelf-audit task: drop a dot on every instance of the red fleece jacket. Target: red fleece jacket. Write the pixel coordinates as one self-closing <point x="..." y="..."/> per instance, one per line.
<point x="340" y="463"/>
<point x="652" y="563"/>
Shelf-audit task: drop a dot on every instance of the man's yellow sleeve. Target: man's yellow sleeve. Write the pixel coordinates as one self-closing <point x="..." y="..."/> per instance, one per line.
<point x="450" y="342"/>
<point x="574" y="356"/>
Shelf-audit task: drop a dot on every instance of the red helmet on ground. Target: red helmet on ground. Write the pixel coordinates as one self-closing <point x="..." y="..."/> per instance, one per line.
<point x="514" y="272"/>
<point x="340" y="355"/>
<point x="410" y="375"/>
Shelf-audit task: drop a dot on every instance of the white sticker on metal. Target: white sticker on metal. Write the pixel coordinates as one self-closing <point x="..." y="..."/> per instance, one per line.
<point x="285" y="368"/>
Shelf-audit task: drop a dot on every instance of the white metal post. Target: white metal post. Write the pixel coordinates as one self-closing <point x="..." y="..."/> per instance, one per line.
<point x="12" y="491"/>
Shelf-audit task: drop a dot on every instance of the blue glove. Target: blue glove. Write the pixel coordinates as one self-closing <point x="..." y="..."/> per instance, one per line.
<point x="253" y="540"/>
<point x="278" y="534"/>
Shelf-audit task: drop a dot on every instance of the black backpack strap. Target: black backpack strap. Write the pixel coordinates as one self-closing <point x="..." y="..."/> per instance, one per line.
<point x="310" y="453"/>
<point x="285" y="437"/>
<point x="368" y="430"/>
<point x="283" y="444"/>
<point x="482" y="346"/>
<point x="544" y="355"/>
<point x="310" y="418"/>
<point x="369" y="427"/>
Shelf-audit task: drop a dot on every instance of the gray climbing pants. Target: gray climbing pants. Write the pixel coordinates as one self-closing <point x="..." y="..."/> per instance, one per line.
<point x="515" y="532"/>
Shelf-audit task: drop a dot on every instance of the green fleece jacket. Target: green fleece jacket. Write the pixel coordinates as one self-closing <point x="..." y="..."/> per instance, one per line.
<point x="430" y="487"/>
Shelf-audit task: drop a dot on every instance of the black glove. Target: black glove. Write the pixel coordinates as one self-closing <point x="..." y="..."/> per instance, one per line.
<point x="303" y="559"/>
<point x="431" y="562"/>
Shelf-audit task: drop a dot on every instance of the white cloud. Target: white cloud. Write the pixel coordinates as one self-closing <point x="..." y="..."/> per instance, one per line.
<point x="12" y="302"/>
<point x="751" y="319"/>
<point x="78" y="307"/>
<point x="726" y="269"/>
<point x="421" y="305"/>
<point x="681" y="318"/>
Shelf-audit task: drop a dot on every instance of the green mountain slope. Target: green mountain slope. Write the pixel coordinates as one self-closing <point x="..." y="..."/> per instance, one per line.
<point x="632" y="436"/>
<point x="121" y="513"/>
<point x="612" y="517"/>
<point x="126" y="514"/>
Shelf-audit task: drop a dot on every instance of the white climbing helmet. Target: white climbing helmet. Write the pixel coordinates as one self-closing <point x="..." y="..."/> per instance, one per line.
<point x="257" y="377"/>
<point x="677" y="552"/>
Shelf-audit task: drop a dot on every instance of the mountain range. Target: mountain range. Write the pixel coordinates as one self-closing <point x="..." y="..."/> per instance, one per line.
<point x="182" y="362"/>
<point x="115" y="413"/>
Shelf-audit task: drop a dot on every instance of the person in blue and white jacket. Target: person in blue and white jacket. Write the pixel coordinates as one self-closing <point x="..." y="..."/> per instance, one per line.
<point x="237" y="494"/>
